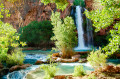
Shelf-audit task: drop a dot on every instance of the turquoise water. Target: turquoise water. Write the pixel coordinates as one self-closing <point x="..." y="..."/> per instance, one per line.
<point x="68" y="68"/>
<point x="64" y="68"/>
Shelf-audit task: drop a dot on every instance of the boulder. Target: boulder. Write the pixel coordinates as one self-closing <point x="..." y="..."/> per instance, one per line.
<point x="18" y="67"/>
<point x="60" y="77"/>
<point x="63" y="77"/>
<point x="39" y="62"/>
<point x="56" y="57"/>
<point x="76" y="56"/>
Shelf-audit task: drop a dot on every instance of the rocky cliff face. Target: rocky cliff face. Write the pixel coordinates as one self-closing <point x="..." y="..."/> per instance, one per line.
<point x="32" y="10"/>
<point x="89" y="4"/>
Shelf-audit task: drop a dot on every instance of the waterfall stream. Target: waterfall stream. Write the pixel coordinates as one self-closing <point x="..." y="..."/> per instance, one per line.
<point x="79" y="24"/>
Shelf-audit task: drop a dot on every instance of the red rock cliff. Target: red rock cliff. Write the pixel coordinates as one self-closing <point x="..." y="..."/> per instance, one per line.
<point x="31" y="11"/>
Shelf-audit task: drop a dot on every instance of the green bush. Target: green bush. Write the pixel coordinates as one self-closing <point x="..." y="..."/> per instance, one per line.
<point x="97" y="59"/>
<point x="64" y="34"/>
<point x="78" y="71"/>
<point x="37" y="33"/>
<point x="8" y="39"/>
<point x="79" y="2"/>
<point x="3" y="54"/>
<point x="16" y="58"/>
<point x="92" y="76"/>
<point x="50" y="71"/>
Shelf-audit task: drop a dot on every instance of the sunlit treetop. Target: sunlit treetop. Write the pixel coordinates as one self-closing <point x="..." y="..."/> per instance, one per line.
<point x="3" y="11"/>
<point x="105" y="17"/>
<point x="12" y="1"/>
<point x="61" y="4"/>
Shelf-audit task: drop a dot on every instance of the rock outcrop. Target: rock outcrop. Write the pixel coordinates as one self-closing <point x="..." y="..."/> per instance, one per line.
<point x="17" y="67"/>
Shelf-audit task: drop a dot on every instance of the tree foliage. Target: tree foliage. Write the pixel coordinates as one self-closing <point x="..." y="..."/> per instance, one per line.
<point x="64" y="33"/>
<point x="79" y="2"/>
<point x="8" y="36"/>
<point x="8" y="39"/>
<point x="37" y="33"/>
<point x="3" y="11"/>
<point x="105" y="17"/>
<point x="61" y="4"/>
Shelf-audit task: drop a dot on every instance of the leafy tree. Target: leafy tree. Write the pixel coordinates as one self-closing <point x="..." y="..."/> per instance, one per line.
<point x="104" y="17"/>
<point x="8" y="36"/>
<point x="8" y="39"/>
<point x="37" y="33"/>
<point x="3" y="11"/>
<point x="61" y="4"/>
<point x="64" y="35"/>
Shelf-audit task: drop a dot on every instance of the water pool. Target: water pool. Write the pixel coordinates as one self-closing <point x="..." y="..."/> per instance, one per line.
<point x="64" y="68"/>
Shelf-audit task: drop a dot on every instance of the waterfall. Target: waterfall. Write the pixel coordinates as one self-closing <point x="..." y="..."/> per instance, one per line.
<point x="79" y="24"/>
<point x="89" y="32"/>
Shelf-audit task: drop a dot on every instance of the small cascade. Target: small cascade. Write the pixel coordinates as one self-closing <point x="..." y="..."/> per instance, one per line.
<point x="79" y="24"/>
<point x="17" y="75"/>
<point x="89" y="32"/>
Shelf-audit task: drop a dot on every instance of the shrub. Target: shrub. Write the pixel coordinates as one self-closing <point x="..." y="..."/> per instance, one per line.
<point x="78" y="71"/>
<point x="37" y="33"/>
<point x="79" y="2"/>
<point x="50" y="71"/>
<point x="97" y="59"/>
<point x="64" y="34"/>
<point x="8" y="39"/>
<point x="92" y="76"/>
<point x="16" y="58"/>
<point x="3" y="54"/>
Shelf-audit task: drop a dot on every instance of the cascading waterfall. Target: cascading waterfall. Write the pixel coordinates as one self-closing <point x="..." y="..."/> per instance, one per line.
<point x="79" y="21"/>
<point x="79" y="24"/>
<point x="89" y="32"/>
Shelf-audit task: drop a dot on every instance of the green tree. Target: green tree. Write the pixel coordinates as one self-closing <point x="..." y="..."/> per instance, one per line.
<point x="61" y="4"/>
<point x="79" y="2"/>
<point x="8" y="36"/>
<point x="64" y="34"/>
<point x="9" y="39"/>
<point x="104" y="17"/>
<point x="35" y="32"/>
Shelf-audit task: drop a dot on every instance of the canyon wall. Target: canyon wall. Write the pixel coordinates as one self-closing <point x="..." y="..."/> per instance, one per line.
<point x="31" y="10"/>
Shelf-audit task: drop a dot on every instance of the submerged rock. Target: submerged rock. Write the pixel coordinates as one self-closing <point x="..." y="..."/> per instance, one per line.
<point x="39" y="62"/>
<point x="57" y="58"/>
